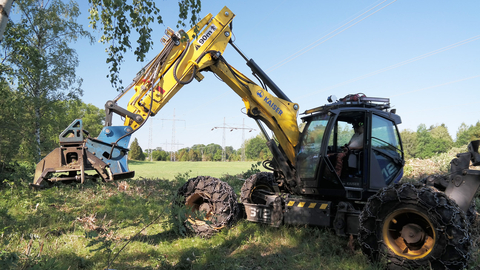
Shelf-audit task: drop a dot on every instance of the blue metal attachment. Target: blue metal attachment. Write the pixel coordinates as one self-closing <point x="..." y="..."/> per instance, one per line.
<point x="113" y="155"/>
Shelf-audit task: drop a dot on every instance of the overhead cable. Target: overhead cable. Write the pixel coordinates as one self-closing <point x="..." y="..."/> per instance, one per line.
<point x="328" y="36"/>
<point x="446" y="48"/>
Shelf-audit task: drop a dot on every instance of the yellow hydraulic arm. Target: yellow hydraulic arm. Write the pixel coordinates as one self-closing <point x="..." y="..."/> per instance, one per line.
<point x="200" y="49"/>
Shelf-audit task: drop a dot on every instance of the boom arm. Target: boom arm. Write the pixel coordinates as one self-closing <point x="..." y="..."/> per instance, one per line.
<point x="177" y="64"/>
<point x="182" y="60"/>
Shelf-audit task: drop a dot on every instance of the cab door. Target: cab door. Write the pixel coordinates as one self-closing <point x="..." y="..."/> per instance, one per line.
<point x="386" y="158"/>
<point x="339" y="166"/>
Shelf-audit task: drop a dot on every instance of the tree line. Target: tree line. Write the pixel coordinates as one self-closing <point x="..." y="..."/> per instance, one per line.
<point x="255" y="149"/>
<point x="427" y="142"/>
<point x="422" y="143"/>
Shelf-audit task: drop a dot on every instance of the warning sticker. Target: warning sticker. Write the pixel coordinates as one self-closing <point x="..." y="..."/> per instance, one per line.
<point x="203" y="39"/>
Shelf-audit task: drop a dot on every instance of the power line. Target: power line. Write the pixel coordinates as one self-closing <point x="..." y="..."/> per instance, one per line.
<point x="172" y="152"/>
<point x="446" y="48"/>
<point x="319" y="41"/>
<point x="225" y="127"/>
<point x="173" y="143"/>
<point x="243" y="128"/>
<point x="435" y="86"/>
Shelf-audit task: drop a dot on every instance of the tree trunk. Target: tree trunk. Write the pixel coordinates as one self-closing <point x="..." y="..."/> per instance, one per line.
<point x="5" y="6"/>
<point x="37" y="134"/>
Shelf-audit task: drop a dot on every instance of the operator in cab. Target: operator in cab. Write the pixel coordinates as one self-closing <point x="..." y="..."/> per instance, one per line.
<point x="355" y="143"/>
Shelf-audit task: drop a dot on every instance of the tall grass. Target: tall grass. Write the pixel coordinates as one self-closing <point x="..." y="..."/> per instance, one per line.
<point x="126" y="225"/>
<point x="85" y="226"/>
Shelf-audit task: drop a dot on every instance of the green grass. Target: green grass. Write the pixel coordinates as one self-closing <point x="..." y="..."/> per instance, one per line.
<point x="86" y="227"/>
<point x="168" y="170"/>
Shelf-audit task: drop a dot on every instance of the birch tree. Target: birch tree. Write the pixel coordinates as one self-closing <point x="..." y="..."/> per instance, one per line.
<point x="5" y="6"/>
<point x="40" y="65"/>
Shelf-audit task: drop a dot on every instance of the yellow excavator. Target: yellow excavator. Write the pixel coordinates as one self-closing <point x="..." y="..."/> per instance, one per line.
<point x="317" y="177"/>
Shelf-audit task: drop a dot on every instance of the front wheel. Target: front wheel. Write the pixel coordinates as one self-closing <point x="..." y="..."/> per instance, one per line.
<point x="414" y="226"/>
<point x="213" y="205"/>
<point x="256" y="187"/>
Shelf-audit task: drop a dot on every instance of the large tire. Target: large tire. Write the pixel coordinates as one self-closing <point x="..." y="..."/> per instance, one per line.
<point x="441" y="183"/>
<point x="472" y="214"/>
<point x="414" y="226"/>
<point x="213" y="204"/>
<point x="255" y="184"/>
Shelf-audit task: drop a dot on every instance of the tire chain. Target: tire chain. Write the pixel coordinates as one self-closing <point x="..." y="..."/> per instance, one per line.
<point x="262" y="178"/>
<point x="404" y="192"/>
<point x="222" y="198"/>
<point x="440" y="182"/>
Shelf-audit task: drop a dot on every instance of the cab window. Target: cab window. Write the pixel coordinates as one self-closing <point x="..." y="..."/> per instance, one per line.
<point x="385" y="136"/>
<point x="309" y="152"/>
<point x="386" y="147"/>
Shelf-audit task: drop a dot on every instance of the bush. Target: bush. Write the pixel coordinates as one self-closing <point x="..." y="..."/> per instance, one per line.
<point x="417" y="168"/>
<point x="19" y="173"/>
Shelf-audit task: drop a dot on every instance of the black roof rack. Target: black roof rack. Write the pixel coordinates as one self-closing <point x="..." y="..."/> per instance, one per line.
<point x="355" y="100"/>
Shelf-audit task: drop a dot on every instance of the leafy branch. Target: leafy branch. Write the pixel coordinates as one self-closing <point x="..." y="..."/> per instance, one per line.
<point x="116" y="19"/>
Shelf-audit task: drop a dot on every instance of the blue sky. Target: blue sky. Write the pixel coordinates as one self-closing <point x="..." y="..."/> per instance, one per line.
<point x="423" y="55"/>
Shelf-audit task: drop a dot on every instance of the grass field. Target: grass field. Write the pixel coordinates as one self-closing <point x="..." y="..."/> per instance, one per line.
<point x="168" y="170"/>
<point x="132" y="225"/>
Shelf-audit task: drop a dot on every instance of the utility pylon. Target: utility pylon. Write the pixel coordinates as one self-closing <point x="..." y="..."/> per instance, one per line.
<point x="225" y="127"/>
<point x="243" y="128"/>
<point x="172" y="153"/>
<point x="173" y="144"/>
<point x="150" y="139"/>
<point x="201" y="150"/>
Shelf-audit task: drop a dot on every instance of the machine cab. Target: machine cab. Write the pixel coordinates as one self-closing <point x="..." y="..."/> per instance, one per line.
<point x="350" y="148"/>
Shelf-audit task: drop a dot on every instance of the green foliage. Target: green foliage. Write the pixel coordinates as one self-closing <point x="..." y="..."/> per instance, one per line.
<point x="16" y="174"/>
<point x="117" y="19"/>
<point x="253" y="170"/>
<point x="442" y="137"/>
<point x="210" y="152"/>
<point x="409" y="141"/>
<point x="426" y="143"/>
<point x="136" y="152"/>
<point x="430" y="142"/>
<point x="11" y="119"/>
<point x="93" y="118"/>
<point x="40" y="67"/>
<point x="160" y="155"/>
<point x="466" y="134"/>
<point x="256" y="148"/>
<point x="345" y="134"/>
<point x="177" y="216"/>
<point x="416" y="169"/>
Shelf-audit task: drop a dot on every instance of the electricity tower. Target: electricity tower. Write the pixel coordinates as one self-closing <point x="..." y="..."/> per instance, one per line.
<point x="225" y="127"/>
<point x="173" y="144"/>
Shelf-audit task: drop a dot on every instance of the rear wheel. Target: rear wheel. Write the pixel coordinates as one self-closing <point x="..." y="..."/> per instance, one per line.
<point x="256" y="186"/>
<point x="414" y="226"/>
<point x="441" y="183"/>
<point x="213" y="204"/>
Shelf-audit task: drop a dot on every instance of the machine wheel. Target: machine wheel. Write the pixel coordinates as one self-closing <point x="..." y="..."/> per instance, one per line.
<point x="441" y="182"/>
<point x="472" y="214"/>
<point x="259" y="182"/>
<point x="414" y="226"/>
<point x="213" y="204"/>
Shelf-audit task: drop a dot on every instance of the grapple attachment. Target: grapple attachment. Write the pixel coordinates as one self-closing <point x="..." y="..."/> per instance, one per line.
<point x="463" y="181"/>
<point x="77" y="155"/>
